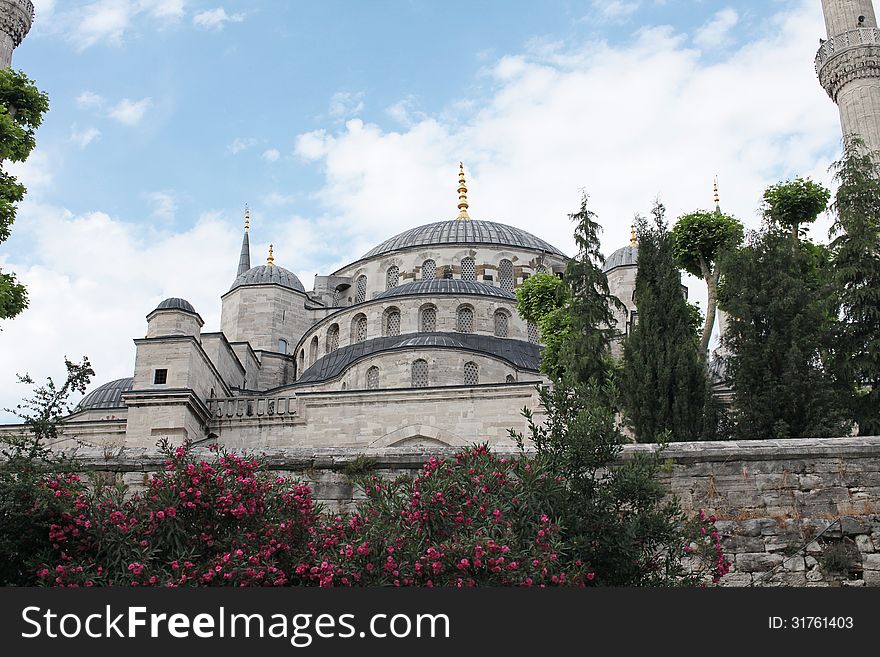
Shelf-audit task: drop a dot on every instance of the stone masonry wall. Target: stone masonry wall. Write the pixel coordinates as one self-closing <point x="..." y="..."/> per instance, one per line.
<point x="791" y="513"/>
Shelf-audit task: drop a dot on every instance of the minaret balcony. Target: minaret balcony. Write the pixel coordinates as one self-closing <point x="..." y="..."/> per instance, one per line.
<point x="849" y="40"/>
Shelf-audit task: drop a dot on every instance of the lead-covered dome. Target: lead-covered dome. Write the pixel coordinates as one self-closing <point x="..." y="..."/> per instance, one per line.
<point x="626" y="256"/>
<point x="269" y="275"/>
<point x="108" y="395"/>
<point x="456" y="231"/>
<point x="446" y="286"/>
<point x="176" y="303"/>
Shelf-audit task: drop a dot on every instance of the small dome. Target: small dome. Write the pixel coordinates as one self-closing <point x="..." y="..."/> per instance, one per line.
<point x="446" y="286"/>
<point x="627" y="256"/>
<point x="108" y="395"/>
<point x="176" y="303"/>
<point x="269" y="275"/>
<point x="463" y="232"/>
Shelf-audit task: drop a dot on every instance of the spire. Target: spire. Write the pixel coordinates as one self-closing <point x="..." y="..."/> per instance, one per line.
<point x="715" y="192"/>
<point x="271" y="259"/>
<point x="244" y="260"/>
<point x="462" y="195"/>
<point x="632" y="235"/>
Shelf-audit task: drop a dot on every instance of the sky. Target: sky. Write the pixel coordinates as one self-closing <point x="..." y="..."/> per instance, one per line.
<point x="341" y="123"/>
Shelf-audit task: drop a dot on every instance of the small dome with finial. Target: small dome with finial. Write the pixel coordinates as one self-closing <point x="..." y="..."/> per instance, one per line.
<point x="269" y="274"/>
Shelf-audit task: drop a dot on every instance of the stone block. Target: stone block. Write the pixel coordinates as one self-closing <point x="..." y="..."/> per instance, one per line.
<point x="735" y="544"/>
<point x="871" y="561"/>
<point x="851" y="526"/>
<point x="864" y="543"/>
<point x="815" y="575"/>
<point x="757" y="562"/>
<point x="871" y="577"/>
<point x="794" y="564"/>
<point x="736" y="580"/>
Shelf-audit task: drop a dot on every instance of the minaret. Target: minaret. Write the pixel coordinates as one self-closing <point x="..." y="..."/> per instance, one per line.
<point x="244" y="260"/>
<point x="462" y="195"/>
<point x="16" y="17"/>
<point x="848" y="66"/>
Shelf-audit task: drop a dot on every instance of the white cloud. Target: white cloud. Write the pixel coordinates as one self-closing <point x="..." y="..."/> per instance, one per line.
<point x="100" y="21"/>
<point x="615" y="10"/>
<point x="84" y="137"/>
<point x="345" y="104"/>
<point x="215" y="19"/>
<point x="240" y="144"/>
<point x="716" y="32"/>
<point x="405" y="111"/>
<point x="89" y="100"/>
<point x="271" y="155"/>
<point x="165" y="9"/>
<point x="164" y="204"/>
<point x="130" y="112"/>
<point x="313" y="145"/>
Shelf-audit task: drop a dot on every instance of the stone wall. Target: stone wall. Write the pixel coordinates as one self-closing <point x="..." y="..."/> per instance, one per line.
<point x="792" y="513"/>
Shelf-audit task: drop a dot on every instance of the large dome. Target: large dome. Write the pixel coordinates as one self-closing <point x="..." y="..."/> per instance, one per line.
<point x="456" y="231"/>
<point x="269" y="275"/>
<point x="446" y="286"/>
<point x="108" y="395"/>
<point x="625" y="256"/>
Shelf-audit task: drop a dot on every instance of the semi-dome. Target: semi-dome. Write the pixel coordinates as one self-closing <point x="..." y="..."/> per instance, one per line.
<point x="456" y="231"/>
<point x="446" y="286"/>
<point x="108" y="395"/>
<point x="269" y="275"/>
<point x="176" y="303"/>
<point x="626" y="256"/>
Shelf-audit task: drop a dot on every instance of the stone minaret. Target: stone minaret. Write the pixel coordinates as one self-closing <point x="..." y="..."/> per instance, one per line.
<point x="16" y="17"/>
<point x="848" y="65"/>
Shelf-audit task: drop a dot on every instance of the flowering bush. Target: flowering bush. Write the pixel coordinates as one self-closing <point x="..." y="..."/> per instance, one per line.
<point x="475" y="520"/>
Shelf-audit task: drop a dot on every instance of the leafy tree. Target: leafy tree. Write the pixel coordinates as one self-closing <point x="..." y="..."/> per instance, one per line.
<point x="26" y="506"/>
<point x="794" y="203"/>
<point x="856" y="259"/>
<point x="543" y="299"/>
<point x="698" y="239"/>
<point x="663" y="382"/>
<point x="22" y="106"/>
<point x="780" y="334"/>
<point x="590" y="321"/>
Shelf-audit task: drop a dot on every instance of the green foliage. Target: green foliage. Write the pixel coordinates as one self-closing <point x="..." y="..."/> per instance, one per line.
<point x="794" y="203"/>
<point x="539" y="295"/>
<point x="696" y="319"/>
<point x="856" y="271"/>
<point x="22" y="106"/>
<point x="781" y="333"/>
<point x="663" y="382"/>
<point x="614" y="512"/>
<point x="583" y="352"/>
<point x="26" y="507"/>
<point x="699" y="238"/>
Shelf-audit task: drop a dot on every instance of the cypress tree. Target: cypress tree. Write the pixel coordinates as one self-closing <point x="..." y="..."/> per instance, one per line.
<point x="856" y="259"/>
<point x="663" y="384"/>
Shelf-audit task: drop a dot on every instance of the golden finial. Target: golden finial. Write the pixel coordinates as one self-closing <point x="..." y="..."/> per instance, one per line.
<point x="715" y="192"/>
<point x="271" y="259"/>
<point x="247" y="218"/>
<point x="462" y="195"/>
<point x="632" y="235"/>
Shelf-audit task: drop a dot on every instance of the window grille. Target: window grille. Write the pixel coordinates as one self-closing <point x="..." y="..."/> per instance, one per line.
<point x="429" y="319"/>
<point x="373" y="378"/>
<point x="465" y="320"/>
<point x="471" y="374"/>
<point x="360" y="328"/>
<point x="533" y="333"/>
<point x="360" y="289"/>
<point x="429" y="270"/>
<point x="392" y="277"/>
<point x="333" y="338"/>
<point x="468" y="269"/>
<point x="500" y="324"/>
<point x="392" y="322"/>
<point x="420" y="374"/>
<point x="505" y="274"/>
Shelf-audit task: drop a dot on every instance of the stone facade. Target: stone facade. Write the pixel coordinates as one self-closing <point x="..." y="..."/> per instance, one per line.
<point x="16" y="17"/>
<point x="791" y="513"/>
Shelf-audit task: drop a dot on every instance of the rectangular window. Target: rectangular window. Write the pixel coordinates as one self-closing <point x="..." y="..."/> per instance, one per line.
<point x="161" y="376"/>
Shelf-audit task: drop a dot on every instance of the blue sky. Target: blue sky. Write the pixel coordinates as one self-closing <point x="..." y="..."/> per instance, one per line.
<point x="342" y="123"/>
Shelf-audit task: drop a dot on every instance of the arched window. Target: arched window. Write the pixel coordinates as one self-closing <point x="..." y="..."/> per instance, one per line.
<point x="468" y="269"/>
<point x="392" y="277"/>
<point x="391" y="321"/>
<point x="360" y="289"/>
<point x="428" y="319"/>
<point x="505" y="275"/>
<point x="501" y="323"/>
<point x="344" y="386"/>
<point x="465" y="319"/>
<point x="533" y="333"/>
<point x="471" y="374"/>
<point x="429" y="270"/>
<point x="510" y="378"/>
<point x="332" y="338"/>
<point x="541" y="269"/>
<point x="282" y="346"/>
<point x="313" y="350"/>
<point x="359" y="328"/>
<point x="373" y="378"/>
<point x="420" y="373"/>
<point x="302" y="361"/>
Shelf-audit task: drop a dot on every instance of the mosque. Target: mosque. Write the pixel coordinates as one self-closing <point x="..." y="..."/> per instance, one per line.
<point x="417" y="342"/>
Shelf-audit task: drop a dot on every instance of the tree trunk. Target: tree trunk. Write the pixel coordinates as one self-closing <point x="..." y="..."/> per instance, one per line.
<point x="711" y="301"/>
